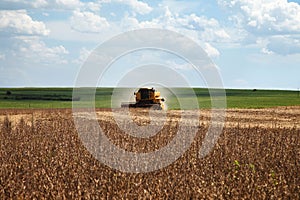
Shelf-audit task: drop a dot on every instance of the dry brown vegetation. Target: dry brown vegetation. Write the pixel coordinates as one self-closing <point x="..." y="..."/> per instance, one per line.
<point x="256" y="156"/>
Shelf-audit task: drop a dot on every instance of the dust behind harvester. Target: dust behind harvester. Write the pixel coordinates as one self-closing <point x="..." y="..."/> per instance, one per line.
<point x="146" y="98"/>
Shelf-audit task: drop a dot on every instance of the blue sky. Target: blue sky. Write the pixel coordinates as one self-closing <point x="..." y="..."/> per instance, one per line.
<point x="255" y="44"/>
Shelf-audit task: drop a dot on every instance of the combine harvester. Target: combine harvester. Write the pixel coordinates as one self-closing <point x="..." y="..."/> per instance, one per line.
<point x="146" y="98"/>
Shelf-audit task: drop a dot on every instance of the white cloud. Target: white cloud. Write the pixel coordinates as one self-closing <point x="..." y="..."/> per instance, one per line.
<point x="138" y="6"/>
<point x="266" y="51"/>
<point x="17" y="4"/>
<point x="277" y="22"/>
<point x="92" y="6"/>
<point x="36" y="3"/>
<point x="182" y="6"/>
<point x="180" y="66"/>
<point x="198" y="28"/>
<point x="34" y="50"/>
<point x="2" y="56"/>
<point x="210" y="50"/>
<point x="68" y="3"/>
<point x="129" y="22"/>
<point x="19" y="22"/>
<point x="209" y="30"/>
<point x="83" y="55"/>
<point x="284" y="45"/>
<point x="62" y="31"/>
<point x="52" y="4"/>
<point x="266" y="16"/>
<point x="88" y="22"/>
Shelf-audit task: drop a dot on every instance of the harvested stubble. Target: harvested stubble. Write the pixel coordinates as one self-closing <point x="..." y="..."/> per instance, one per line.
<point x="43" y="157"/>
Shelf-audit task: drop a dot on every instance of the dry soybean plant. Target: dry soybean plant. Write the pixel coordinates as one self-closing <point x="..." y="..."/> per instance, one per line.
<point x="42" y="157"/>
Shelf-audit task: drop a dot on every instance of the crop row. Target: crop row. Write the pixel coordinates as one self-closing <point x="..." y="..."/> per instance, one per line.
<point x="44" y="158"/>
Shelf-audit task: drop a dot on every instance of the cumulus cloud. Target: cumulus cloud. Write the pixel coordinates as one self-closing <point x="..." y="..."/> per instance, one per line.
<point x="88" y="22"/>
<point x="264" y="50"/>
<point x="180" y="66"/>
<point x="19" y="22"/>
<point x="199" y="28"/>
<point x="138" y="6"/>
<point x="68" y="3"/>
<point x="18" y="4"/>
<point x="283" y="45"/>
<point x="267" y="16"/>
<point x="212" y="31"/>
<point x="34" y="50"/>
<point x="210" y="50"/>
<point x="50" y="4"/>
<point x="93" y="6"/>
<point x="268" y="19"/>
<point x="83" y="55"/>
<point x="208" y="29"/>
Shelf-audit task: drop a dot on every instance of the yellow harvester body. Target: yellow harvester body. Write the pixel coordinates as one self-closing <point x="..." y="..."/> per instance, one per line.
<point x="146" y="98"/>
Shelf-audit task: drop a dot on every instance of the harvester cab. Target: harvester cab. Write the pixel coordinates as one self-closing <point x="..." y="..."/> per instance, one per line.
<point x="146" y="98"/>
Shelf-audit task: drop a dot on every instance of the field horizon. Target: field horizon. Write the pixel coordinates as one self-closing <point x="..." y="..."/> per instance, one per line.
<point x="61" y="97"/>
